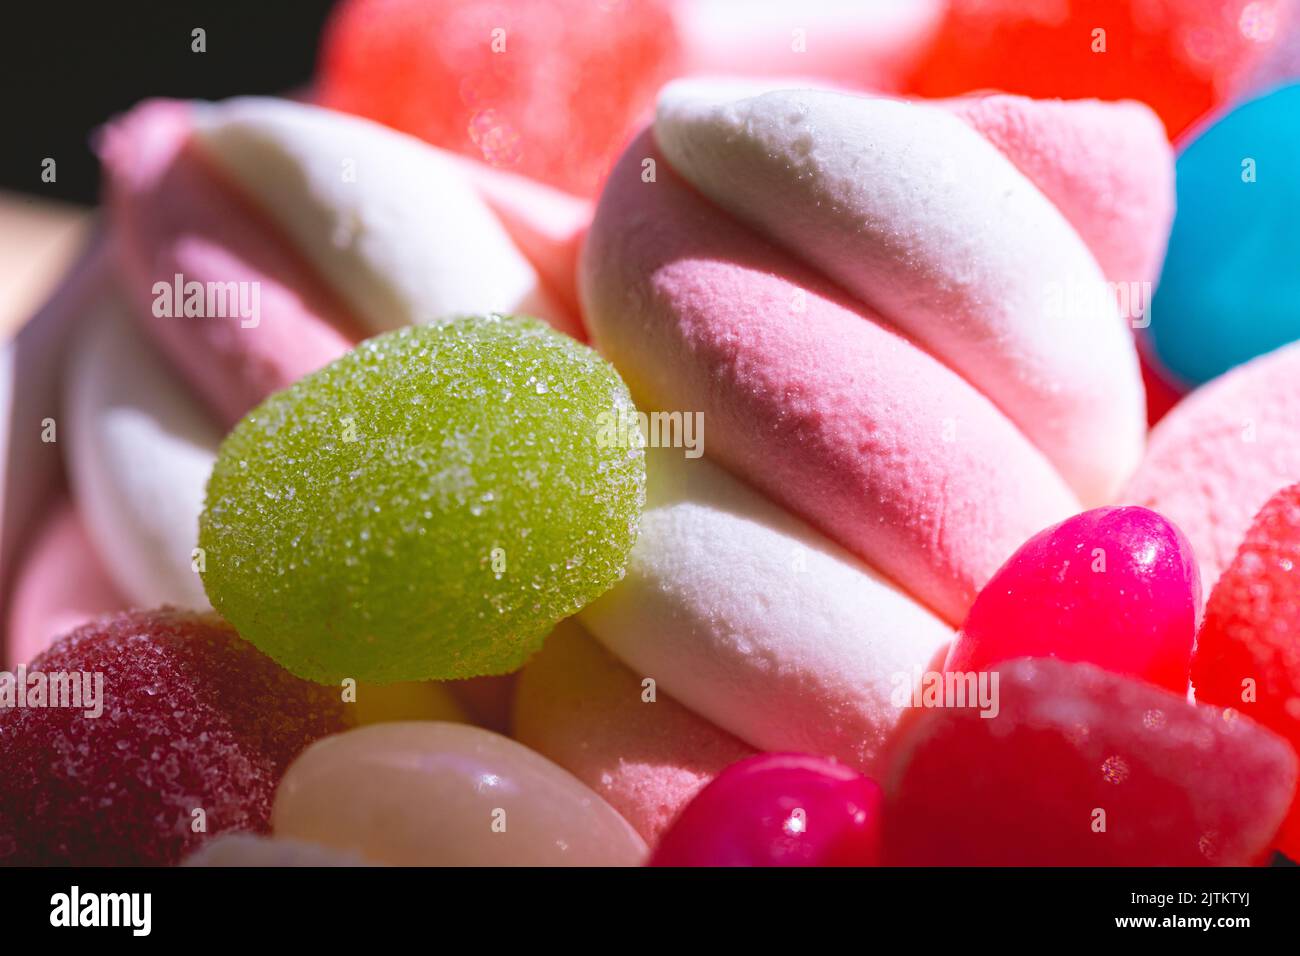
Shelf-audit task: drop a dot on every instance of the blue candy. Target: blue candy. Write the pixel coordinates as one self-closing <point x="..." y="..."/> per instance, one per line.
<point x="1230" y="289"/>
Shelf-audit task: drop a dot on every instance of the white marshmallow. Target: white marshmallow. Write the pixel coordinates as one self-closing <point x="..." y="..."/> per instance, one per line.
<point x="755" y="621"/>
<point x="389" y="222"/>
<point x="140" y="449"/>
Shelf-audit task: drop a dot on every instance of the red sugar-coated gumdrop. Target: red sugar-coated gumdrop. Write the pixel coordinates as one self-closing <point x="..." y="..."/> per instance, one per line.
<point x="778" y="810"/>
<point x="549" y="88"/>
<point x="1115" y="587"/>
<point x="1182" y="57"/>
<point x="193" y="718"/>
<point x="1081" y="767"/>
<point x="1248" y="651"/>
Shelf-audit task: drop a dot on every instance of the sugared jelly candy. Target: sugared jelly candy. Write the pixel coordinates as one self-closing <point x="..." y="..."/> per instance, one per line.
<point x="1179" y="57"/>
<point x="1230" y="283"/>
<point x="1248" y="651"/>
<point x="1115" y="587"/>
<point x="436" y="794"/>
<point x="186" y="738"/>
<point x="1076" y="766"/>
<point x="778" y="810"/>
<point x="427" y="506"/>
<point x="548" y="88"/>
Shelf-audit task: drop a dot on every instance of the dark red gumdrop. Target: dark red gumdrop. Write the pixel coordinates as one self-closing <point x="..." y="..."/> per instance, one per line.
<point x="778" y="810"/>
<point x="1082" y="767"/>
<point x="1115" y="587"/>
<point x="194" y="718"/>
<point x="1248" y="651"/>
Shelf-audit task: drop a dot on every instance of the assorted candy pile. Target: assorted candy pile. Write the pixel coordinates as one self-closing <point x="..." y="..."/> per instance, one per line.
<point x="616" y="434"/>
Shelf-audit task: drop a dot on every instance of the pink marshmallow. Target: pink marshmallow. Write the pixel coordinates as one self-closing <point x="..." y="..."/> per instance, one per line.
<point x="733" y="604"/>
<point x="1108" y="167"/>
<point x="579" y="706"/>
<point x="807" y="395"/>
<point x="60" y="586"/>
<point x="172" y="213"/>
<point x="922" y="220"/>
<point x="1221" y="453"/>
<point x="344" y="227"/>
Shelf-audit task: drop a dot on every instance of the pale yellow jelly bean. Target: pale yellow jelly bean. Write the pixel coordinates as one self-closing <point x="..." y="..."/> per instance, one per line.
<point x="443" y="794"/>
<point x="409" y="700"/>
<point x="249" y="849"/>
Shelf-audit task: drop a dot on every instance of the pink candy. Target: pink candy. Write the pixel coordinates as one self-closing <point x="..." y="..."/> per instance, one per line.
<point x="1080" y="767"/>
<point x="778" y="810"/>
<point x="1115" y="587"/>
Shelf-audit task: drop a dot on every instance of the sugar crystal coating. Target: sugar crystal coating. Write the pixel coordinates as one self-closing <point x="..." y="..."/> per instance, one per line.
<point x="193" y="718"/>
<point x="1180" y="57"/>
<point x="426" y="507"/>
<point x="1082" y="767"/>
<point x="548" y="88"/>
<point x="1248" y="650"/>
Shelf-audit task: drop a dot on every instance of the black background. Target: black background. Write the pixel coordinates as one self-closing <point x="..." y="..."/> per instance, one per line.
<point x="657" y="911"/>
<point x="66" y="67"/>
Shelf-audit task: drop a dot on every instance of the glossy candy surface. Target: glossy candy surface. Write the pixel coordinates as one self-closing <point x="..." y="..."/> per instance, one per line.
<point x="247" y="849"/>
<point x="778" y="810"/>
<point x="193" y="718"/>
<point x="437" y="794"/>
<point x="1248" y="651"/>
<point x="1081" y="767"/>
<point x="548" y="88"/>
<point x="428" y="506"/>
<point x="1230" y="282"/>
<point x="1115" y="587"/>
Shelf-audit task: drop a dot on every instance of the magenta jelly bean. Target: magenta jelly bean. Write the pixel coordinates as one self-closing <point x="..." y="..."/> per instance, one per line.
<point x="1114" y="587"/>
<point x="778" y="810"/>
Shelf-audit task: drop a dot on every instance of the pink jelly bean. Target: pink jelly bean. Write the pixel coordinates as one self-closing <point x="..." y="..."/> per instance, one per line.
<point x="1115" y="587"/>
<point x="778" y="810"/>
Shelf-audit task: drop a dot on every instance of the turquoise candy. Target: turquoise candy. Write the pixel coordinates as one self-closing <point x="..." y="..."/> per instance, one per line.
<point x="1230" y="289"/>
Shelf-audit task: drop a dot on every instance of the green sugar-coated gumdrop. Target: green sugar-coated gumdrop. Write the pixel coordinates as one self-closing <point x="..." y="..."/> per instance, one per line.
<point x="427" y="506"/>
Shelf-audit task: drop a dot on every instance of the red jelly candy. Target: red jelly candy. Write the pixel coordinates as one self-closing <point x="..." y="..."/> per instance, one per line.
<point x="1115" y="587"/>
<point x="1081" y="767"/>
<point x="778" y="810"/>
<point x="192" y="718"/>
<point x="550" y="88"/>
<point x="1181" y="57"/>
<point x="1248" y="651"/>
